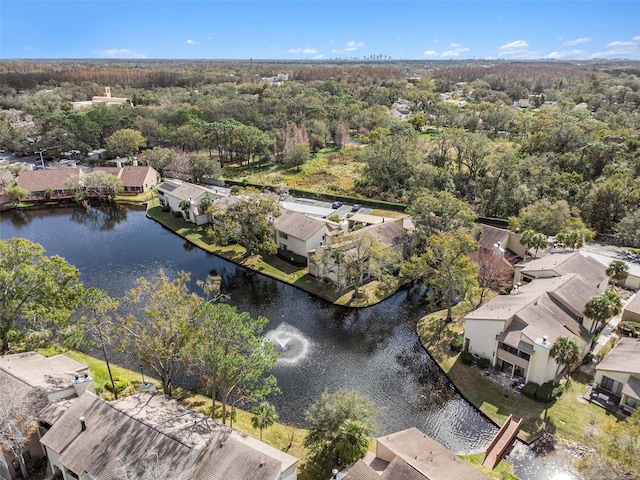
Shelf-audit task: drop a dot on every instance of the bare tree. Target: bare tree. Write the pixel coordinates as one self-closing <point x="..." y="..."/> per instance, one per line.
<point x="151" y="467"/>
<point x="493" y="272"/>
<point x="18" y="419"/>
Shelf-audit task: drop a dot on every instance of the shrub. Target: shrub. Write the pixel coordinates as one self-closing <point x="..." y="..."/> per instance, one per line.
<point x="466" y="358"/>
<point x="558" y="390"/>
<point x="484" y="363"/>
<point x="588" y="358"/>
<point x="545" y="392"/>
<point x="120" y="383"/>
<point x="530" y="389"/>
<point x="456" y="343"/>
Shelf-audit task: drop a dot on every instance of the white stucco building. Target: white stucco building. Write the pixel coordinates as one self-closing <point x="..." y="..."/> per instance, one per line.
<point x="516" y="332"/>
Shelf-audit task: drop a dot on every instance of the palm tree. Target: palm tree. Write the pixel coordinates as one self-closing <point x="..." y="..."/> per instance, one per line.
<point x="602" y="308"/>
<point x="617" y="271"/>
<point x="575" y="239"/>
<point x="538" y="241"/>
<point x="526" y="239"/>
<point x="565" y="352"/>
<point x="206" y="203"/>
<point x="264" y="415"/>
<point x="352" y="441"/>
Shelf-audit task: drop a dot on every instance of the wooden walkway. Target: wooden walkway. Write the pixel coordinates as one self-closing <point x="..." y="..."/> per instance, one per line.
<point x="501" y="442"/>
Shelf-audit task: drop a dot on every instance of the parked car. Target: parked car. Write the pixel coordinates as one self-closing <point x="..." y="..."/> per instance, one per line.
<point x="356" y="207"/>
<point x="336" y="204"/>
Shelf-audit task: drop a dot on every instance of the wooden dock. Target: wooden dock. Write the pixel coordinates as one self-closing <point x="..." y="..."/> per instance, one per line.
<point x="501" y="442"/>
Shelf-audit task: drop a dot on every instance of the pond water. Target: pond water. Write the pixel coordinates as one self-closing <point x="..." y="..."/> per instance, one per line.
<point x="375" y="351"/>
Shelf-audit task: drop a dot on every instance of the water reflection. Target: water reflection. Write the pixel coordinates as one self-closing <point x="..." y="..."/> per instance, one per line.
<point x="375" y="351"/>
<point x="104" y="216"/>
<point x="18" y="218"/>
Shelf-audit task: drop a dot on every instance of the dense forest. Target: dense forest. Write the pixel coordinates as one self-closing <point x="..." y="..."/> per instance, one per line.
<point x="552" y="146"/>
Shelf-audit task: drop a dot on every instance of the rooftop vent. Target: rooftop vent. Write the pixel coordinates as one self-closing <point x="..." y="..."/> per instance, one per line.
<point x="83" y="426"/>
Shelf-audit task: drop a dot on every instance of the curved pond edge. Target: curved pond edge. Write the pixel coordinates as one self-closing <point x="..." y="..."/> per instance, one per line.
<point x="342" y="299"/>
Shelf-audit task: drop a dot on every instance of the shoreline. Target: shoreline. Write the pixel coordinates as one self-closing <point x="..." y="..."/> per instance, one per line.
<point x="295" y="276"/>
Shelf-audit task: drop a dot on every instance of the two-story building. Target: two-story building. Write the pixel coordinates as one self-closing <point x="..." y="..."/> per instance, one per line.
<point x="516" y="332"/>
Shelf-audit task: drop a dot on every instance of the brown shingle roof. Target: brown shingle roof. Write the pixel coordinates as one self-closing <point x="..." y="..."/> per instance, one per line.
<point x="40" y="180"/>
<point x="131" y="176"/>
<point x="298" y="225"/>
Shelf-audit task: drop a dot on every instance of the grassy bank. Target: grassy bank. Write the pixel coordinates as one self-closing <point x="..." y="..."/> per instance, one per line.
<point x="270" y="265"/>
<point x="283" y="437"/>
<point x="568" y="417"/>
<point x="280" y="436"/>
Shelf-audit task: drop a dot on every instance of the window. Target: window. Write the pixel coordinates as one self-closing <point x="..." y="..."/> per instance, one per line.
<point x="514" y="351"/>
<point x="283" y="235"/>
<point x="632" y="402"/>
<point x="611" y="385"/>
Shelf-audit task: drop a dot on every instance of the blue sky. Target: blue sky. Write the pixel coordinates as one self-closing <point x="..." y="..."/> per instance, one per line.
<point x="319" y="29"/>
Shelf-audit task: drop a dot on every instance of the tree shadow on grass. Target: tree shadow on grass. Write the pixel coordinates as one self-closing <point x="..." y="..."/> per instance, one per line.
<point x="499" y="402"/>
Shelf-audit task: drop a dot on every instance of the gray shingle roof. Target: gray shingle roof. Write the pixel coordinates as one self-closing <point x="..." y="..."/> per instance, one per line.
<point x="588" y="268"/>
<point x="50" y="373"/>
<point x="128" y="429"/>
<point x="111" y="437"/>
<point x="624" y="357"/>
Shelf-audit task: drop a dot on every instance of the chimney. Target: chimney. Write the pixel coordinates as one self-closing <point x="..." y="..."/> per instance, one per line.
<point x="83" y="426"/>
<point x="334" y="473"/>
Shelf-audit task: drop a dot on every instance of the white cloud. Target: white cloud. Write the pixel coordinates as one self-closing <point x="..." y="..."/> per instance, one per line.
<point x="210" y="38"/>
<point x="620" y="44"/>
<point x="191" y="42"/>
<point x="576" y="54"/>
<point x="120" y="53"/>
<point x="518" y="50"/>
<point x="517" y="45"/>
<point x="351" y="46"/>
<point x="637" y="38"/>
<point x="577" y="41"/>
<point x="454" y="53"/>
<point x="430" y="53"/>
<point x="306" y="51"/>
<point x="318" y="57"/>
<point x="454" y="45"/>
<point x="355" y="45"/>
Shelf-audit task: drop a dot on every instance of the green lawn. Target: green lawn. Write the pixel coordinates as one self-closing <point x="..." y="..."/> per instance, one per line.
<point x="331" y="170"/>
<point x="283" y="437"/>
<point x="280" y="436"/>
<point x="568" y="417"/>
<point x="270" y="265"/>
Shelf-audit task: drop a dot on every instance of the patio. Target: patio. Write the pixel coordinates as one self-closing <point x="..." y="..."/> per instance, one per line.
<point x="607" y="400"/>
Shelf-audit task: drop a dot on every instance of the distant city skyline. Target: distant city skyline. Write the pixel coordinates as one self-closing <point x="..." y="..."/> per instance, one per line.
<point x="320" y="30"/>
